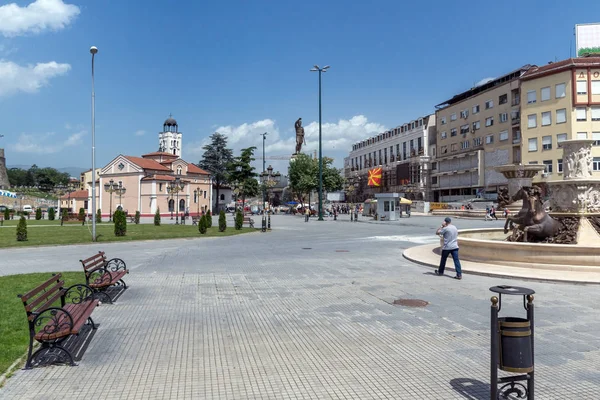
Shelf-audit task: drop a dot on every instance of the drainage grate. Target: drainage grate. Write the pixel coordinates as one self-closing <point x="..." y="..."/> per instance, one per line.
<point x="410" y="303"/>
<point x="307" y="248"/>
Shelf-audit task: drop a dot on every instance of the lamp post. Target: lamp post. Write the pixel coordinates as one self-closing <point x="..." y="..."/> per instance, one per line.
<point x="270" y="179"/>
<point x="320" y="70"/>
<point x="93" y="51"/>
<point x="111" y="188"/>
<point x="264" y="220"/>
<point x="176" y="187"/>
<point x="120" y="191"/>
<point x="197" y="198"/>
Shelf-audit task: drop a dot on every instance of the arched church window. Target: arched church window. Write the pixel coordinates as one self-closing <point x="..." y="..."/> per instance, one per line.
<point x="179" y="170"/>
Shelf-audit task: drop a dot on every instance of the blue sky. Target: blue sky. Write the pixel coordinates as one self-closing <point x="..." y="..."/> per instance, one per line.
<point x="242" y="68"/>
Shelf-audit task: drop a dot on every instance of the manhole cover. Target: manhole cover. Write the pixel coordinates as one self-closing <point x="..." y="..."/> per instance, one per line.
<point x="410" y="303"/>
<point x="307" y="248"/>
<point x="342" y="251"/>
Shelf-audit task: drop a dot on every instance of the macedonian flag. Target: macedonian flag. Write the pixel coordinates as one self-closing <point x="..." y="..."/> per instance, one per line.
<point x="374" y="177"/>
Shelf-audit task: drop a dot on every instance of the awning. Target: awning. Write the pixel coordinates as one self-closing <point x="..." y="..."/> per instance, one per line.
<point x="405" y="201"/>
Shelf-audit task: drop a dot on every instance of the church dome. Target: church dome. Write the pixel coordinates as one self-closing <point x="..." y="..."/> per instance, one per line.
<point x="170" y="122"/>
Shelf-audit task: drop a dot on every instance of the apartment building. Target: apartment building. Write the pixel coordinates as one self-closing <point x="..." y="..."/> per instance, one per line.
<point x="561" y="101"/>
<point x="403" y="153"/>
<point x="477" y="130"/>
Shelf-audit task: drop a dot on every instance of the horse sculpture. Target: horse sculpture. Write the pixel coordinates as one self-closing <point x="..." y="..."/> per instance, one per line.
<point x="532" y="218"/>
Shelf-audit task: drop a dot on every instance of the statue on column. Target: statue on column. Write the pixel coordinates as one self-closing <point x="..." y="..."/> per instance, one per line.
<point x="300" y="140"/>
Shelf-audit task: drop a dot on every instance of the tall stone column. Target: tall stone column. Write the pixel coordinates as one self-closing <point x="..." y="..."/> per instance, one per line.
<point x="4" y="183"/>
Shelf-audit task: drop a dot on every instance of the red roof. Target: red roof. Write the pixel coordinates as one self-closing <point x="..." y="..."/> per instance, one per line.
<point x="78" y="194"/>
<point x="561" y="66"/>
<point x="159" y="178"/>
<point x="146" y="163"/>
<point x="160" y="153"/>
<point x="194" y="169"/>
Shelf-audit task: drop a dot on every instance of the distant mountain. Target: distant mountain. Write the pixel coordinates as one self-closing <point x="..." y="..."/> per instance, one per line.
<point x="72" y="171"/>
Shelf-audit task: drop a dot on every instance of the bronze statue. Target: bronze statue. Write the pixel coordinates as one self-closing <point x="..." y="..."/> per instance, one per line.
<point x="299" y="135"/>
<point x="532" y="218"/>
<point x="503" y="198"/>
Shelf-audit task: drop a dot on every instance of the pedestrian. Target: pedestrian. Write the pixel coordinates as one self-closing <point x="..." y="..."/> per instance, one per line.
<point x="493" y="212"/>
<point x="487" y="213"/>
<point x="307" y="214"/>
<point x="450" y="235"/>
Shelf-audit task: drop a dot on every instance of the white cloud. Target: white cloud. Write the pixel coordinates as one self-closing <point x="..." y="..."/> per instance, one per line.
<point x="484" y="81"/>
<point x="15" y="78"/>
<point x="67" y="126"/>
<point x="337" y="138"/>
<point x="39" y="16"/>
<point x="140" y="132"/>
<point x="45" y="143"/>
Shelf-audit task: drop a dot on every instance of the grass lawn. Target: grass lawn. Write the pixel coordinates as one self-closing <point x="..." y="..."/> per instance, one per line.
<point x="14" y="337"/>
<point x="75" y="233"/>
<point x="32" y="221"/>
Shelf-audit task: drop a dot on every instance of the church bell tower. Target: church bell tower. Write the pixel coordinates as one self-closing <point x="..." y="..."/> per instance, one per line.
<point x="169" y="140"/>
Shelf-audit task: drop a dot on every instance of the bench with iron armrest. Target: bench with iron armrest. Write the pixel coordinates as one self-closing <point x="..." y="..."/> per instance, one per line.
<point x="104" y="276"/>
<point x="59" y="328"/>
<point x="249" y="221"/>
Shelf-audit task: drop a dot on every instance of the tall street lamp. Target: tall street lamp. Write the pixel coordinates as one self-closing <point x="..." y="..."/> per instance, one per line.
<point x="320" y="70"/>
<point x="176" y="187"/>
<point x="269" y="180"/>
<point x="197" y="198"/>
<point x="111" y="188"/>
<point x="121" y="191"/>
<point x="264" y="218"/>
<point x="93" y="51"/>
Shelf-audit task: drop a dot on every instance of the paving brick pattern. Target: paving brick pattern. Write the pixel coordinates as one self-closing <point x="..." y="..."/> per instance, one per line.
<point x="259" y="317"/>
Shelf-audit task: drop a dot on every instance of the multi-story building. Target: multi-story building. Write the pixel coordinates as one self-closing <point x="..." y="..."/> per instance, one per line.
<point x="85" y="179"/>
<point x="403" y="153"/>
<point x="477" y="130"/>
<point x="561" y="101"/>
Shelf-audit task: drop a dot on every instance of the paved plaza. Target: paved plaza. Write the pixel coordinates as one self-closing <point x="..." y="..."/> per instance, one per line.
<point x="305" y="312"/>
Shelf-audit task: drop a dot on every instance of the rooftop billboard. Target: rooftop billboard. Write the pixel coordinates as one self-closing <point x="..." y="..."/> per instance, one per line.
<point x="587" y="38"/>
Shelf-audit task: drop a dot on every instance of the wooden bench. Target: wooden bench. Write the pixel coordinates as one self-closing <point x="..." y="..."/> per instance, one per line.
<point x="249" y="221"/>
<point x="54" y="325"/>
<point x="104" y="276"/>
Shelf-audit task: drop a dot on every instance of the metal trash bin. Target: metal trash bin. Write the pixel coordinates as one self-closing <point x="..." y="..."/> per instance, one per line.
<point x="516" y="352"/>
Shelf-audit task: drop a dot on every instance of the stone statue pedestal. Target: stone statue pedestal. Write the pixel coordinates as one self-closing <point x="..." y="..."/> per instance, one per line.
<point x="518" y="176"/>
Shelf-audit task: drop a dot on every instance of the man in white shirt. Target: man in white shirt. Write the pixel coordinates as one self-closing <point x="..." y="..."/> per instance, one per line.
<point x="450" y="235"/>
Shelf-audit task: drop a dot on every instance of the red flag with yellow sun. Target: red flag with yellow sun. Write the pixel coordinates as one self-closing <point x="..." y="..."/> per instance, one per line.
<point x="374" y="177"/>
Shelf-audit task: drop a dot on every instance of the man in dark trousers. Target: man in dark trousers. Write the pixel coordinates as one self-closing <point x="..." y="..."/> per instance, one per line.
<point x="450" y="235"/>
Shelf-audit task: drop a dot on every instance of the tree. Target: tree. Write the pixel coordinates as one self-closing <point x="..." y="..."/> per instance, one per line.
<point x="157" y="217"/>
<point x="98" y="216"/>
<point x="208" y="219"/>
<point x="241" y="174"/>
<point x="137" y="217"/>
<point x="239" y="220"/>
<point x="222" y="221"/>
<point x="6" y="214"/>
<point x="215" y="160"/>
<point x="51" y="214"/>
<point x="304" y="176"/>
<point x="120" y="223"/>
<point x="38" y="213"/>
<point x="22" y="230"/>
<point x="202" y="224"/>
<point x="81" y="215"/>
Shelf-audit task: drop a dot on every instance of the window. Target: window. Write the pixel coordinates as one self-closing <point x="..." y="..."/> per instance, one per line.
<point x="595" y="87"/>
<point x="595" y="113"/>
<point x="179" y="170"/>
<point x="464" y="129"/>
<point x="489" y="139"/>
<point x="561" y="116"/>
<point x="412" y="126"/>
<point x="533" y="144"/>
<point x="205" y="194"/>
<point x="453" y="117"/>
<point x="503" y="99"/>
<point x="581" y="87"/>
<point x="477" y="141"/>
<point x="559" y="165"/>
<point x="596" y="164"/>
<point x="560" y="91"/>
<point x="546" y="118"/>
<point x="434" y="180"/>
<point x="545" y="93"/>
<point x="160" y="187"/>
<point x="596" y="137"/>
<point x="443" y="121"/>
<point x="453" y="132"/>
<point x="420" y="122"/>
<point x="581" y="135"/>
<point x="476" y="125"/>
<point x="531" y="96"/>
<point x="581" y="114"/>
<point x="489" y="104"/>
<point x="546" y="142"/>
<point x="503" y="135"/>
<point x="548" y="165"/>
<point x="443" y="149"/>
<point x="503" y="117"/>
<point x="489" y="121"/>
<point x="532" y="121"/>
<point x="464" y="113"/>
<point x="476" y="109"/>
<point x="561" y="137"/>
<point x="453" y="147"/>
<point x="464" y="145"/>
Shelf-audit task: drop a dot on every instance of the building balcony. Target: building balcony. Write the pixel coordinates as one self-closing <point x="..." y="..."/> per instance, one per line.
<point x="515" y="101"/>
<point x="516" y="138"/>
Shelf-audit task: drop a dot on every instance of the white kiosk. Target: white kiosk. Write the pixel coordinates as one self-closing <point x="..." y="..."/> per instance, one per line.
<point x="389" y="206"/>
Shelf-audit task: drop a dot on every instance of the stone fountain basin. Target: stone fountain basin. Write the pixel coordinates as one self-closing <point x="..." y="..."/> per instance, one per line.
<point x="488" y="245"/>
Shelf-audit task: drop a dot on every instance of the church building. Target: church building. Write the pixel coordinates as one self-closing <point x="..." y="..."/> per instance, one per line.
<point x="159" y="180"/>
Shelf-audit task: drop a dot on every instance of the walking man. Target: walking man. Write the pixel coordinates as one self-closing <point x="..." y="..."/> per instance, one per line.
<point x="450" y="235"/>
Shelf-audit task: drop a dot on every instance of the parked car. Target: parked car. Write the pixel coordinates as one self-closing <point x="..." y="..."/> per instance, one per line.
<point x="27" y="208"/>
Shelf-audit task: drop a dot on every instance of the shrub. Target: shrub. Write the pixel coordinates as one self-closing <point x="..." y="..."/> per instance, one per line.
<point x="6" y="214"/>
<point x="208" y="219"/>
<point x="38" y="214"/>
<point x="81" y="215"/>
<point x="120" y="223"/>
<point x="157" y="217"/>
<point x="98" y="216"/>
<point x="137" y="217"/>
<point x="202" y="224"/>
<point x="51" y="214"/>
<point x="22" y="230"/>
<point x="65" y="214"/>
<point x="222" y="221"/>
<point x="239" y="220"/>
